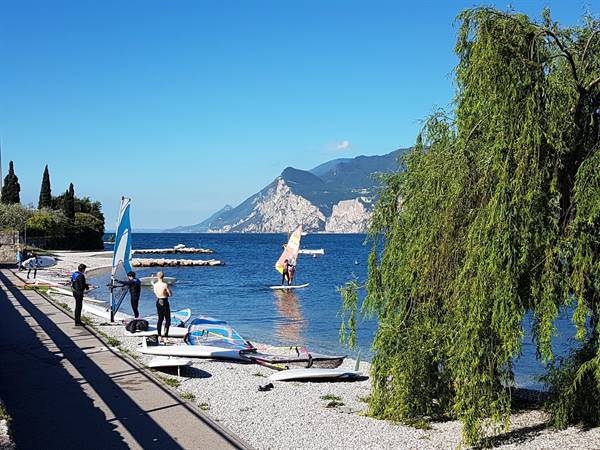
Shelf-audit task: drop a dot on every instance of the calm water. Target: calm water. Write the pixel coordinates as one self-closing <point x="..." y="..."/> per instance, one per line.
<point x="239" y="291"/>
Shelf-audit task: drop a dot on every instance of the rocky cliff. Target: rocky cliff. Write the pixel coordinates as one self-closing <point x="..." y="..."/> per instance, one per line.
<point x="350" y="216"/>
<point x="335" y="197"/>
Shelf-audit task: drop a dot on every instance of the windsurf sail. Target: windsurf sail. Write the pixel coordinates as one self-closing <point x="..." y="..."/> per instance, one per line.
<point x="121" y="256"/>
<point x="290" y="252"/>
<point x="206" y="330"/>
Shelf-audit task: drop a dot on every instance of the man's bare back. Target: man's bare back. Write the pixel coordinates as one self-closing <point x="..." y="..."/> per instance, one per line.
<point x="161" y="289"/>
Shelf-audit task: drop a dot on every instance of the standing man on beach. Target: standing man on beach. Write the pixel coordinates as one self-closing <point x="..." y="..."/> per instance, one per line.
<point x="33" y="265"/>
<point x="163" y="309"/>
<point x="135" y="289"/>
<point x="79" y="285"/>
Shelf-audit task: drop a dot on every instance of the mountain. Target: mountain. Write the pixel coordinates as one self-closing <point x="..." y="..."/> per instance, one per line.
<point x="335" y="197"/>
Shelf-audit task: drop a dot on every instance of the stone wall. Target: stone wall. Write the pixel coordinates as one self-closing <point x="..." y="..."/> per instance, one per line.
<point x="9" y="240"/>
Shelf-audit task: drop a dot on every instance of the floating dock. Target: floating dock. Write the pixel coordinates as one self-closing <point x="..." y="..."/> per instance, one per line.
<point x="164" y="262"/>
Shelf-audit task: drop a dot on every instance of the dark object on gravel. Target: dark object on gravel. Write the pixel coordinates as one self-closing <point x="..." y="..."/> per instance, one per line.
<point x="266" y="387"/>
<point x="137" y="325"/>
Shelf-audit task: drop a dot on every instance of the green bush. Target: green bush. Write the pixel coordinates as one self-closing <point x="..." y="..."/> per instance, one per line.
<point x="14" y="216"/>
<point x="89" y="231"/>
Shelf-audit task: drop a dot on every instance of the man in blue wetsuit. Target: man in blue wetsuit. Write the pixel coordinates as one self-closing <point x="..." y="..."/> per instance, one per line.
<point x="135" y="289"/>
<point x="79" y="285"/>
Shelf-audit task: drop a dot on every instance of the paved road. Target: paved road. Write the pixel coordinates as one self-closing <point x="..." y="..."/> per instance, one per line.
<point x="65" y="390"/>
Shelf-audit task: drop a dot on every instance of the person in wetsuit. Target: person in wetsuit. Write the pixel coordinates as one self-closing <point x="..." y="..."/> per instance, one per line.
<point x="34" y="266"/>
<point x="79" y="285"/>
<point x="285" y="274"/>
<point x="163" y="309"/>
<point x="291" y="271"/>
<point x="135" y="288"/>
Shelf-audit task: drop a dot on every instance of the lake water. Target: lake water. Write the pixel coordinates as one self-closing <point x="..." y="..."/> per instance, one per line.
<point x="239" y="291"/>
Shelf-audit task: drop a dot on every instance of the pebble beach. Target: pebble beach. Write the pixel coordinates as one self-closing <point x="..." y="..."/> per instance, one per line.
<point x="299" y="415"/>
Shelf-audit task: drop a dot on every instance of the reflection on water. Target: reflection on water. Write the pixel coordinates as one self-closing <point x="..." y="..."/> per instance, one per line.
<point x="289" y="328"/>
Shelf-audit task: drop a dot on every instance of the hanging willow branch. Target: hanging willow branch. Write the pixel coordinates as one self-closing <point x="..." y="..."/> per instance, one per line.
<point x="496" y="213"/>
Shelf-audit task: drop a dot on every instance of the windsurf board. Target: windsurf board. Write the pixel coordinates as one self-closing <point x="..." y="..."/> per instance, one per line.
<point x="190" y="351"/>
<point x="41" y="262"/>
<point x="285" y="288"/>
<point x="315" y="374"/>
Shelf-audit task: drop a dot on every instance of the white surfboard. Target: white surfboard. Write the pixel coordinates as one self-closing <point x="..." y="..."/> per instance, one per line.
<point x="166" y="361"/>
<point x="314" y="374"/>
<point x="104" y="312"/>
<point x="149" y="281"/>
<point x="190" y="351"/>
<point x="175" y="332"/>
<point x="163" y="362"/>
<point x="41" y="262"/>
<point x="285" y="288"/>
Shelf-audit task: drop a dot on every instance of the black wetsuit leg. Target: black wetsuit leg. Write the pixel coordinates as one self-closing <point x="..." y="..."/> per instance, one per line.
<point x="78" y="306"/>
<point x="167" y="317"/>
<point x="164" y="313"/>
<point x="135" y="301"/>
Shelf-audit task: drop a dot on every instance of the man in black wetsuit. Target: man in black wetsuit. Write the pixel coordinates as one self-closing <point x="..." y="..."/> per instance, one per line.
<point x="285" y="274"/>
<point x="135" y="288"/>
<point x="79" y="285"/>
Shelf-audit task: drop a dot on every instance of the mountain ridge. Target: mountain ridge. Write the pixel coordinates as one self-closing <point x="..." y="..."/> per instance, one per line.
<point x="336" y="196"/>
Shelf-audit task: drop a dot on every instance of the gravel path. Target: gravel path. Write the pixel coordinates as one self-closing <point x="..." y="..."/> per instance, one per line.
<point x="294" y="415"/>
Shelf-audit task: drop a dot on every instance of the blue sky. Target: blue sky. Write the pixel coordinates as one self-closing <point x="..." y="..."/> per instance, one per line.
<point x="186" y="106"/>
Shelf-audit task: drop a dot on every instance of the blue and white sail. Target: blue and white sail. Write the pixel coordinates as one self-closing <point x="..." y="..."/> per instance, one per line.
<point x="121" y="257"/>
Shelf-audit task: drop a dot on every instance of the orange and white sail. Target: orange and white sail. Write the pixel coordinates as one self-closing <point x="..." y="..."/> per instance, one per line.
<point x="291" y="249"/>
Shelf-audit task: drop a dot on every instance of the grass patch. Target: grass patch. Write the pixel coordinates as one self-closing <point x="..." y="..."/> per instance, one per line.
<point x="188" y="396"/>
<point x="86" y="320"/>
<point x="259" y="374"/>
<point x="63" y="305"/>
<point x="334" y="404"/>
<point x="204" y="406"/>
<point x="364" y="399"/>
<point x="420" y="424"/>
<point x="112" y="342"/>
<point x="130" y="353"/>
<point x="331" y="397"/>
<point x="170" y="382"/>
<point x="333" y="401"/>
<point x="40" y="289"/>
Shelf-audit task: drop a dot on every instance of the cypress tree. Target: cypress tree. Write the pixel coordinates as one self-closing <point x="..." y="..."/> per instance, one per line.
<point x="11" y="188"/>
<point x="45" y="191"/>
<point x="69" y="202"/>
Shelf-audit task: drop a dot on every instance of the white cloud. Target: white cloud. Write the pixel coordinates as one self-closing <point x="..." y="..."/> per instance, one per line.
<point x="343" y="145"/>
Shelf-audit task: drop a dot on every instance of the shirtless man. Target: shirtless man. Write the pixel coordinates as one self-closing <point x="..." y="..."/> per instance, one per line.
<point x="163" y="309"/>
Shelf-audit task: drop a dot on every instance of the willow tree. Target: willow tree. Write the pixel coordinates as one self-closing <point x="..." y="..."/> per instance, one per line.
<point x="495" y="213"/>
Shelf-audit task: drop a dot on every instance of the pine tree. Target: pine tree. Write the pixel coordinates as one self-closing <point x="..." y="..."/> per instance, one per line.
<point x="69" y="203"/>
<point x="11" y="188"/>
<point x="45" y="191"/>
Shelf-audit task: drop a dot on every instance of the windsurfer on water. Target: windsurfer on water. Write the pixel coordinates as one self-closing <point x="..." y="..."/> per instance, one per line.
<point x="291" y="271"/>
<point x="286" y="273"/>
